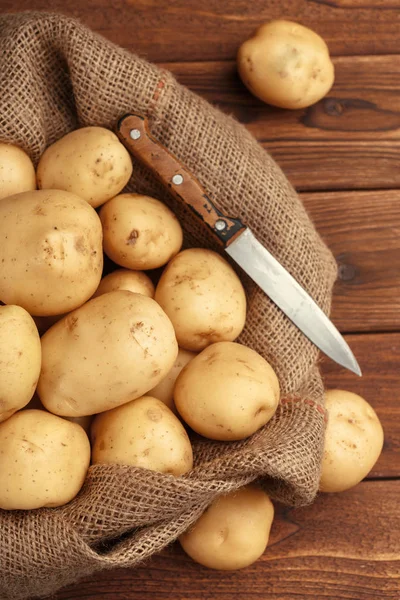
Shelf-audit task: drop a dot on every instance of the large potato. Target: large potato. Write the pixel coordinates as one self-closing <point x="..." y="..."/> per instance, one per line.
<point x="43" y="460"/>
<point x="353" y="441"/>
<point x="227" y="392"/>
<point x="90" y="162"/>
<point x="20" y="359"/>
<point x="125" y="279"/>
<point x="233" y="532"/>
<point x="164" y="391"/>
<point x="286" y="65"/>
<point x="203" y="297"/>
<point x="143" y="433"/>
<point x="111" y="350"/>
<point x="51" y="255"/>
<point x="140" y="232"/>
<point x="17" y="173"/>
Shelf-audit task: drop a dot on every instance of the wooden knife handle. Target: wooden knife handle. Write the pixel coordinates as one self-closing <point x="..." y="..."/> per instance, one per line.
<point x="133" y="131"/>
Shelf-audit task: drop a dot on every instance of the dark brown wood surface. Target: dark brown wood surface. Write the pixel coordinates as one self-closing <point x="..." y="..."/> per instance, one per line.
<point x="344" y="154"/>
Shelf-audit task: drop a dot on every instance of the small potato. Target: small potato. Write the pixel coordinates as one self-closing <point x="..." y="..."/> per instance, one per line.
<point x="140" y="232"/>
<point x="286" y="65"/>
<point x="353" y="441"/>
<point x="227" y="392"/>
<point x="109" y="351"/>
<point x="233" y="532"/>
<point x="124" y="279"/>
<point x="17" y="173"/>
<point x="164" y="391"/>
<point x="143" y="433"/>
<point x="20" y="359"/>
<point x="203" y="297"/>
<point x="51" y="255"/>
<point x="43" y="460"/>
<point x="90" y="162"/>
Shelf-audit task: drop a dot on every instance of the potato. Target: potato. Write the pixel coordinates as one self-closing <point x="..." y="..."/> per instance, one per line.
<point x="143" y="433"/>
<point x="286" y="65"/>
<point x="124" y="279"/>
<point x="20" y="359"/>
<point x="353" y="441"/>
<point x="43" y="460"/>
<point x="90" y="162"/>
<point x="164" y="391"/>
<point x="17" y="173"/>
<point x="203" y="297"/>
<point x="110" y="351"/>
<point x="227" y="392"/>
<point x="51" y="255"/>
<point x="140" y="232"/>
<point x="233" y="532"/>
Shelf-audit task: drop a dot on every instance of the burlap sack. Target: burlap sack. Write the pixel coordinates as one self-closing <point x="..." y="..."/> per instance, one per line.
<point x="55" y="75"/>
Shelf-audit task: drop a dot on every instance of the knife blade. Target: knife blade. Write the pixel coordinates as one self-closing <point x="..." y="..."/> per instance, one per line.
<point x="238" y="241"/>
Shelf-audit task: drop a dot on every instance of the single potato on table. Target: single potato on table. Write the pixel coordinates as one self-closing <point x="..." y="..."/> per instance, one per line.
<point x="164" y="391"/>
<point x="140" y="232"/>
<point x="233" y="532"/>
<point x="143" y="433"/>
<point x="90" y="162"/>
<point x="286" y="65"/>
<point x="43" y="460"/>
<point x="125" y="279"/>
<point x="353" y="441"/>
<point x="109" y="351"/>
<point x="20" y="359"/>
<point x="17" y="173"/>
<point x="227" y="392"/>
<point x="51" y="255"/>
<point x="203" y="297"/>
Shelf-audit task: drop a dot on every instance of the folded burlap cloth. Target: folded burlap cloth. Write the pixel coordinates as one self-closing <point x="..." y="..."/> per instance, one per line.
<point x="55" y="76"/>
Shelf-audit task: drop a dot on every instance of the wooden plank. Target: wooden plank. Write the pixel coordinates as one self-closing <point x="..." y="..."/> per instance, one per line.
<point x="344" y="547"/>
<point x="363" y="231"/>
<point x="379" y="359"/>
<point x="213" y="30"/>
<point x="349" y="140"/>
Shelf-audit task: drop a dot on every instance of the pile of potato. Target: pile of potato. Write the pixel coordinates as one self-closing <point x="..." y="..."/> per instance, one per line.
<point x="131" y="363"/>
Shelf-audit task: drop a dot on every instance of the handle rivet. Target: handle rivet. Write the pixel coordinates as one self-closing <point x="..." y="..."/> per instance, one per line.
<point x="220" y="225"/>
<point x="177" y="179"/>
<point x="134" y="134"/>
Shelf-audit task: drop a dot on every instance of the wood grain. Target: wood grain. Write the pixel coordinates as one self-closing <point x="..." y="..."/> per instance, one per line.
<point x="344" y="546"/>
<point x="348" y="140"/>
<point x="363" y="231"/>
<point x="379" y="359"/>
<point x="213" y="30"/>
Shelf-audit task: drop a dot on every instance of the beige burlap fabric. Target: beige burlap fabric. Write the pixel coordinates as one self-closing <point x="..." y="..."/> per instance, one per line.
<point x="55" y="75"/>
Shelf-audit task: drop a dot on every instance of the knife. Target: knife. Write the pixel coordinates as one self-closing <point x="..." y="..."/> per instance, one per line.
<point x="238" y="241"/>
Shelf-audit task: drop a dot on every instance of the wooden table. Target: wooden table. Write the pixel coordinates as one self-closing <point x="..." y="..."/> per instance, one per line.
<point x="343" y="155"/>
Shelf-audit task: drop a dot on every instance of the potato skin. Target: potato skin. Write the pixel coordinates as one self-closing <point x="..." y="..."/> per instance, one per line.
<point x="90" y="162"/>
<point x="43" y="460"/>
<point x="20" y="359"/>
<point x="233" y="532"/>
<point x="125" y="279"/>
<point x="203" y="297"/>
<point x="143" y="433"/>
<point x="353" y="441"/>
<point x="164" y="391"/>
<point x="104" y="354"/>
<point x="140" y="232"/>
<point x="286" y="65"/>
<point x="51" y="255"/>
<point x="17" y="173"/>
<point x="227" y="392"/>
